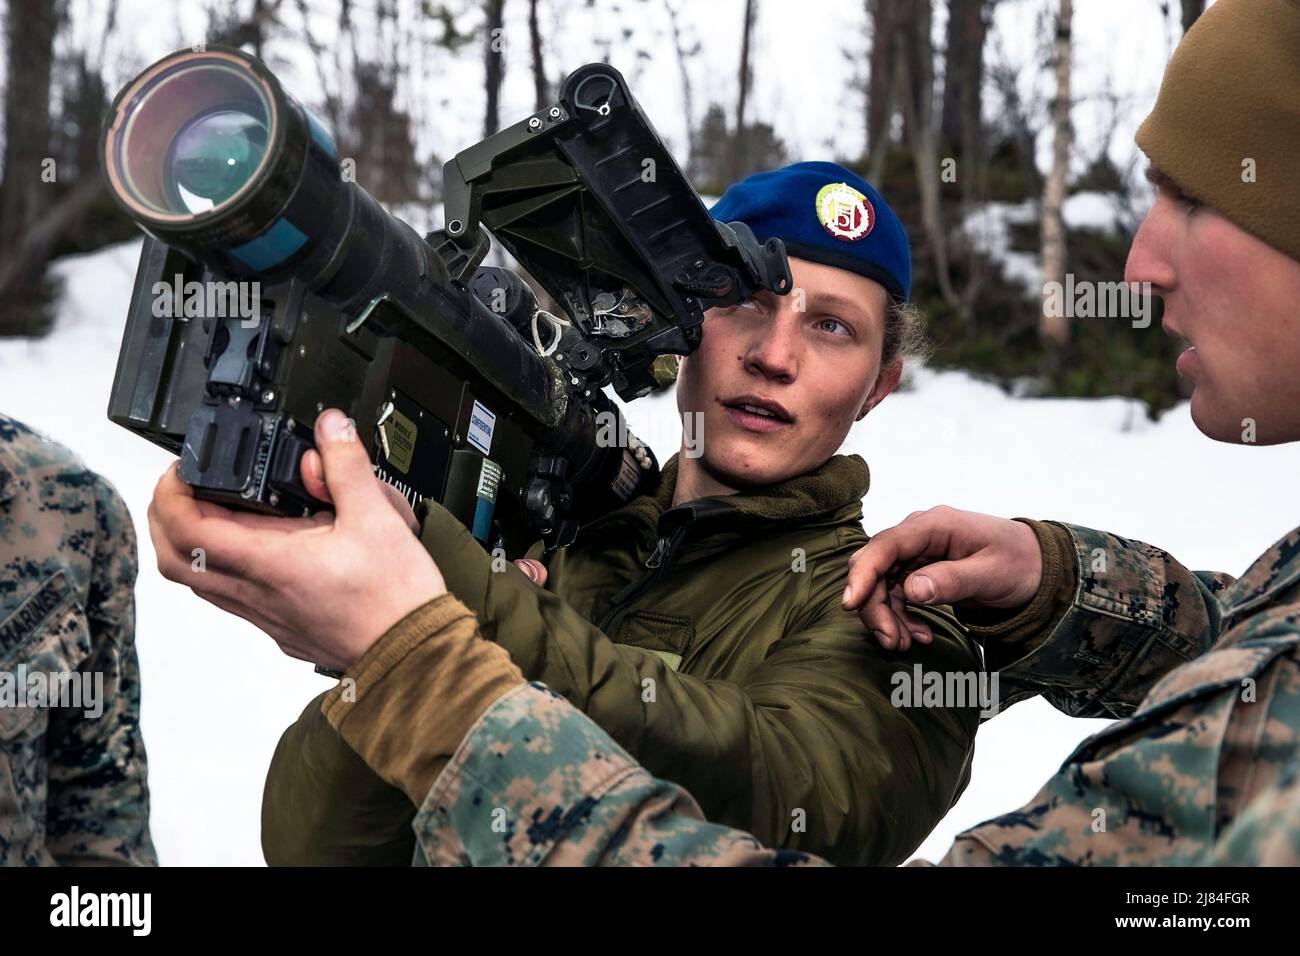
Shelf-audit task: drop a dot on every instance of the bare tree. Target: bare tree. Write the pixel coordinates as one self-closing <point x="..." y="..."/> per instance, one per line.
<point x="494" y="63"/>
<point x="915" y="72"/>
<point x="26" y="191"/>
<point x="541" y="89"/>
<point x="683" y="54"/>
<point x="887" y="19"/>
<point x="227" y="25"/>
<point x="31" y="28"/>
<point x="744" y="82"/>
<point x="1054" y="330"/>
<point x="968" y="22"/>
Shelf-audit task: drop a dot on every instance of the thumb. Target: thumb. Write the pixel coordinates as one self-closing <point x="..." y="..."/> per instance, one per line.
<point x="352" y="484"/>
<point x="534" y="569"/>
<point x="978" y="579"/>
<point x="944" y="582"/>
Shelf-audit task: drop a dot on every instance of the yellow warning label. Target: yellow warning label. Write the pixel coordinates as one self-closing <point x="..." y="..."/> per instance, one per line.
<point x="399" y="434"/>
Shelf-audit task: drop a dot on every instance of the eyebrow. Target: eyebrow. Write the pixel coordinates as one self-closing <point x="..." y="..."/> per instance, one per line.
<point x="822" y="300"/>
<point x="1162" y="180"/>
<point x="833" y="301"/>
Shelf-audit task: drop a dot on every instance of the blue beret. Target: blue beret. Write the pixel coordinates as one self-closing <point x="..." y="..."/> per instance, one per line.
<point x="824" y="213"/>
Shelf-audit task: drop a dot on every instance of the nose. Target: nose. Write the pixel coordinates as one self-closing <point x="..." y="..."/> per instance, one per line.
<point x="1149" y="257"/>
<point x="772" y="352"/>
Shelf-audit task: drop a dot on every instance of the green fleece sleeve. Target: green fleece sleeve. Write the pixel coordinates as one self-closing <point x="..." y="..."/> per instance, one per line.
<point x="808" y="752"/>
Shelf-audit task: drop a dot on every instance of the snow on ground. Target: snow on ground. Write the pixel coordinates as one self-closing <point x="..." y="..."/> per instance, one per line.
<point x="217" y="693"/>
<point x="989" y="228"/>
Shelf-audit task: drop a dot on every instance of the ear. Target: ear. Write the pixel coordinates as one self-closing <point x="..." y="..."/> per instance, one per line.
<point x="886" y="382"/>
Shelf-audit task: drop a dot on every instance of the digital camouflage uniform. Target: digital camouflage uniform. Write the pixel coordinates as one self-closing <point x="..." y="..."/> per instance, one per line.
<point x="1202" y="769"/>
<point x="72" y="788"/>
<point x="710" y="640"/>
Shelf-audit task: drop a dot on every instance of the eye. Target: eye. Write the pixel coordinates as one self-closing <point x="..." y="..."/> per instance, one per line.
<point x="1188" y="203"/>
<point x="834" y="326"/>
<point x="749" y="305"/>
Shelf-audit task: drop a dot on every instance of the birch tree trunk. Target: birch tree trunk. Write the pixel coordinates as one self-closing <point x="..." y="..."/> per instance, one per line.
<point x="1053" y="329"/>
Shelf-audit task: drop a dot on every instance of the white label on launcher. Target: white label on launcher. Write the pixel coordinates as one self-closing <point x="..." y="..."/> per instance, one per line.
<point x="481" y="424"/>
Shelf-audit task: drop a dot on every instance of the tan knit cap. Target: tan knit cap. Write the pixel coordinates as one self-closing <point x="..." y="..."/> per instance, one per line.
<point x="1231" y="93"/>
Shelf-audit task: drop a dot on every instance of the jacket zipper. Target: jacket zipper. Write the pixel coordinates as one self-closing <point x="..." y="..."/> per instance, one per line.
<point x="658" y="562"/>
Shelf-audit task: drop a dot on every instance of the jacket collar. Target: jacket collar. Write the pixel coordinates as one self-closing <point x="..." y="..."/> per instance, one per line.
<point x="1274" y="571"/>
<point x="826" y="492"/>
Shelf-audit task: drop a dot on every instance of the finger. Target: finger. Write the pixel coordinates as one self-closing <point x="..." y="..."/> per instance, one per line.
<point x="313" y="476"/>
<point x="181" y="524"/>
<point x="400" y="505"/>
<point x="173" y="489"/>
<point x="903" y="624"/>
<point x="535" y="570"/>
<point x="914" y="538"/>
<point x="877" y="616"/>
<point x="194" y="572"/>
<point x="232" y="605"/>
<point x="271" y="628"/>
<point x="353" y="487"/>
<point x="869" y="614"/>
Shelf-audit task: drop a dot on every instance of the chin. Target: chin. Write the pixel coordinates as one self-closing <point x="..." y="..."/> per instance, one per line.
<point x="738" y="464"/>
<point x="1217" y="423"/>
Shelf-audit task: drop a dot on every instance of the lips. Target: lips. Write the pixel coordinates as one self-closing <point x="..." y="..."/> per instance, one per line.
<point x="1187" y="364"/>
<point x="757" y="414"/>
<point x="757" y="405"/>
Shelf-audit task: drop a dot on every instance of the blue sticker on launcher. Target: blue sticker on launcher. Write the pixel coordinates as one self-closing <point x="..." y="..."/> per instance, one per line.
<point x="483" y="509"/>
<point x="321" y="135"/>
<point x="272" y="247"/>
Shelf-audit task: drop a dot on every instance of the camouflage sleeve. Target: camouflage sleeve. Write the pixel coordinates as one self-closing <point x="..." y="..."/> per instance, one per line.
<point x="1131" y="614"/>
<point x="537" y="783"/>
<point x="1268" y="832"/>
<point x="98" y="811"/>
<point x="1205" y="771"/>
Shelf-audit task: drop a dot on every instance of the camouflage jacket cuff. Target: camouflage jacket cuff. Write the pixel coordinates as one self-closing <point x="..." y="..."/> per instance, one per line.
<point x="1010" y="635"/>
<point x="413" y="695"/>
<point x="486" y="811"/>
<point x="1112" y="643"/>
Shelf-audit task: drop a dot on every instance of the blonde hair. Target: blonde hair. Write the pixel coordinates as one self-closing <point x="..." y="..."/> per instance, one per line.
<point x="905" y="337"/>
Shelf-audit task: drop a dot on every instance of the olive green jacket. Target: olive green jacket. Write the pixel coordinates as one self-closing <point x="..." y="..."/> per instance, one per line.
<point x="709" y="640"/>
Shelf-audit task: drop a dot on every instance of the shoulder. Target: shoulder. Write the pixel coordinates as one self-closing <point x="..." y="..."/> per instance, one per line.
<point x="26" y="454"/>
<point x="1272" y="581"/>
<point x="57" y="514"/>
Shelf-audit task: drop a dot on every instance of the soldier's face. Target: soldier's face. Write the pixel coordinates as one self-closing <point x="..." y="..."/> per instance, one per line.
<point x="807" y="364"/>
<point x="1236" y="299"/>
